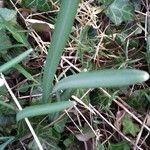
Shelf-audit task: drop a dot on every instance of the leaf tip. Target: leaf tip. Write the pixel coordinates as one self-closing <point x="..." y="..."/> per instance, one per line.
<point x="1" y="82"/>
<point x="146" y="76"/>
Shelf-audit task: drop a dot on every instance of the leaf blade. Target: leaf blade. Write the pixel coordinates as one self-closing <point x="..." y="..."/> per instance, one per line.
<point x="25" y="73"/>
<point x="4" y="145"/>
<point x="61" y="33"/>
<point x="42" y="5"/>
<point x="43" y="109"/>
<point x="120" y="10"/>
<point x="5" y="40"/>
<point x="15" y="61"/>
<point x="104" y="78"/>
<point x="8" y="15"/>
<point x="129" y="127"/>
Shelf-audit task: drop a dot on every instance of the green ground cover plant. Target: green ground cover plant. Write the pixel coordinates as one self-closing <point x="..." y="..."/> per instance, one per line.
<point x="87" y="77"/>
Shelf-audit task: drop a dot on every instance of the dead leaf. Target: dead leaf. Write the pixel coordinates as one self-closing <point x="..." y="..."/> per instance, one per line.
<point x="148" y="120"/>
<point x="119" y="116"/>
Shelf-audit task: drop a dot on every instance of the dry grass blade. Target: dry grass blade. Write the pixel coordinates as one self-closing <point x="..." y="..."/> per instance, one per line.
<point x="125" y="137"/>
<point x="20" y="108"/>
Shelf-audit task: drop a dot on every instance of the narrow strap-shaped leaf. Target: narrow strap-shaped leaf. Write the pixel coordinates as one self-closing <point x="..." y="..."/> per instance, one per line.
<point x="43" y="109"/>
<point x="103" y="78"/>
<point x="63" y="27"/>
<point x="7" y="105"/>
<point x="25" y="73"/>
<point x="9" y="140"/>
<point x="15" y="61"/>
<point x="12" y="46"/>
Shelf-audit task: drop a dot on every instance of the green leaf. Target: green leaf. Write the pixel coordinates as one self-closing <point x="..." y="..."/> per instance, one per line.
<point x="8" y="21"/>
<point x="70" y="140"/>
<point x="129" y="127"/>
<point x="100" y="147"/>
<point x="60" y="125"/>
<point x="8" y="15"/>
<point x="15" y="61"/>
<point x="119" y="146"/>
<point x="42" y="5"/>
<point x="4" y="40"/>
<point x="63" y="27"/>
<point x="16" y="33"/>
<point x="102" y="78"/>
<point x="137" y="4"/>
<point x="24" y="87"/>
<point x="7" y="105"/>
<point x="12" y="46"/>
<point x="120" y="10"/>
<point x="43" y="109"/>
<point x="4" y="145"/>
<point x="25" y="73"/>
<point x="105" y="2"/>
<point x="147" y="97"/>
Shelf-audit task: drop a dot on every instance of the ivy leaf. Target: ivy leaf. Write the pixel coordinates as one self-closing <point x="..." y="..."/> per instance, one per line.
<point x="7" y="15"/>
<point x="120" y="10"/>
<point x="60" y="125"/>
<point x="129" y="127"/>
<point x="137" y="4"/>
<point x="105" y="2"/>
<point x="41" y="5"/>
